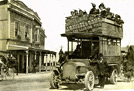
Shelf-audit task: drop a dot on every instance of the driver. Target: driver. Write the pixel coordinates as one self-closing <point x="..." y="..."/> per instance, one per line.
<point x="77" y="51"/>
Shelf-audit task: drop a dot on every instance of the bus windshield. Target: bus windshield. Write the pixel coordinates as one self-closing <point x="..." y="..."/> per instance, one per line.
<point x="84" y="48"/>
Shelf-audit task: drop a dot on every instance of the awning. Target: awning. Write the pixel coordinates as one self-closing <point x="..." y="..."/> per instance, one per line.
<point x="24" y="48"/>
<point x="42" y="50"/>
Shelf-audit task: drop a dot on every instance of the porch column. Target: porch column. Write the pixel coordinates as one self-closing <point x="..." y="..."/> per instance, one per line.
<point x="68" y="47"/>
<point x="17" y="64"/>
<point x="55" y="61"/>
<point x="52" y="61"/>
<point x="35" y="61"/>
<point x="81" y="46"/>
<point x="46" y="62"/>
<point x="26" y="62"/>
<point x="23" y="62"/>
<point x="49" y="60"/>
<point x="35" y="56"/>
<point x="71" y="46"/>
<point x="40" y="62"/>
<point x="30" y="62"/>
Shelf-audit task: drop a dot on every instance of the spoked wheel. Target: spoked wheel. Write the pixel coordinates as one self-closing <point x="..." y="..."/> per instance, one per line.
<point x="89" y="80"/>
<point x="114" y="75"/>
<point x="10" y="74"/>
<point x="54" y="81"/>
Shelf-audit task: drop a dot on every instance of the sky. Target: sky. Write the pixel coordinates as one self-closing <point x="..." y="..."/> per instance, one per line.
<point x="53" y="13"/>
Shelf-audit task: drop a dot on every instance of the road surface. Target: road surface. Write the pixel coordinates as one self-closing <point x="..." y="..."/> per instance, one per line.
<point x="40" y="82"/>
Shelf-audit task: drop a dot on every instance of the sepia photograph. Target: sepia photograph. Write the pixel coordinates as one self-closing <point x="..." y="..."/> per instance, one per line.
<point x="66" y="45"/>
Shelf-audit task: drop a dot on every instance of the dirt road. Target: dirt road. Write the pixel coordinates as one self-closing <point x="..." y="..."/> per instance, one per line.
<point x="40" y="82"/>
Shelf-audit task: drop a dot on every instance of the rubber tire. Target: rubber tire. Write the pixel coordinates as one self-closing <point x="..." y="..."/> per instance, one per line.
<point x="113" y="77"/>
<point x="89" y="76"/>
<point x="54" y="85"/>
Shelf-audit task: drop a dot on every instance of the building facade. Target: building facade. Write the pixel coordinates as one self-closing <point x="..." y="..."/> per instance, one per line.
<point x="22" y="35"/>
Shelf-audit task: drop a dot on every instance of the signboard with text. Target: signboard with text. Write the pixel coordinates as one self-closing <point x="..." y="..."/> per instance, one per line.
<point x="96" y="25"/>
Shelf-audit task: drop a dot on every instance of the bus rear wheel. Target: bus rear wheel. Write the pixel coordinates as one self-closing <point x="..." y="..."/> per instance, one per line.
<point x="113" y="77"/>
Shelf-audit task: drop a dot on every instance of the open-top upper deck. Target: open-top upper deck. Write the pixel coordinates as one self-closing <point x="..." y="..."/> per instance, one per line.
<point x="102" y="23"/>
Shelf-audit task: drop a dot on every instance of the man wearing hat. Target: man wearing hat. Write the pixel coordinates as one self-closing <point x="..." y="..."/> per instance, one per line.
<point x="94" y="11"/>
<point x="109" y="14"/>
<point x="103" y="10"/>
<point x="102" y="66"/>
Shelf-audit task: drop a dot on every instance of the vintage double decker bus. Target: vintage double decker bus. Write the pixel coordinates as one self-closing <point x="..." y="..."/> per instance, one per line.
<point x="89" y="35"/>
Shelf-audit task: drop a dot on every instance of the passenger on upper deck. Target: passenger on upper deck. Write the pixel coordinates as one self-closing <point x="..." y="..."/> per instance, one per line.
<point x="118" y="19"/>
<point x="109" y="14"/>
<point x="103" y="10"/>
<point x="94" y="11"/>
